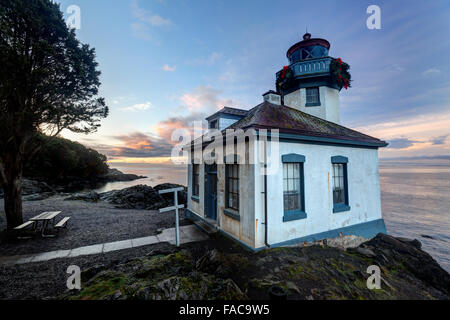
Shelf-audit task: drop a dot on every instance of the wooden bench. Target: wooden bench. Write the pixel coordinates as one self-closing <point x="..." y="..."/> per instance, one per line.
<point x="62" y="224"/>
<point x="23" y="227"/>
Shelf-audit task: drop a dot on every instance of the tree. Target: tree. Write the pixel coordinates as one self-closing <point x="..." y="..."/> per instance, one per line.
<point x="48" y="82"/>
<point x="60" y="160"/>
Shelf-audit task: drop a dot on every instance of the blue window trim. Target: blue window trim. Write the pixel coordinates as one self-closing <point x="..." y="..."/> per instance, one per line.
<point x="195" y="198"/>
<point x="339" y="160"/>
<point x="232" y="214"/>
<point x="318" y="104"/>
<point x="296" y="214"/>
<point x="293" y="158"/>
<point x="342" y="207"/>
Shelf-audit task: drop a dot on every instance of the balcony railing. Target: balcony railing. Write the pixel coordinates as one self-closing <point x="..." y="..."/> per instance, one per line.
<point x="311" y="67"/>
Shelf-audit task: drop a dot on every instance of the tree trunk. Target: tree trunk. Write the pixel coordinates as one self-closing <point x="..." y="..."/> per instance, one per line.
<point x="12" y="189"/>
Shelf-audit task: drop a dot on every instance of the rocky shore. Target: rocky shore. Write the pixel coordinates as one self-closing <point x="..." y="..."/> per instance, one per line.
<point x="141" y="197"/>
<point x="43" y="189"/>
<point x="221" y="270"/>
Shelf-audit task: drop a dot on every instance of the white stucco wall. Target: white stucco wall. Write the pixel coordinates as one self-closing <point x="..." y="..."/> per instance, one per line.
<point x="363" y="185"/>
<point x="331" y="103"/>
<point x="243" y="229"/>
<point x="273" y="98"/>
<point x="194" y="206"/>
<point x="329" y="99"/>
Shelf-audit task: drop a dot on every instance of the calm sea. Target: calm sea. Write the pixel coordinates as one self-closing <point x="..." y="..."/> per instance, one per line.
<point x="415" y="198"/>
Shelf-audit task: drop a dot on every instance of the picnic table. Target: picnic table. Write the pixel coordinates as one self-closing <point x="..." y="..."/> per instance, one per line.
<point x="45" y="218"/>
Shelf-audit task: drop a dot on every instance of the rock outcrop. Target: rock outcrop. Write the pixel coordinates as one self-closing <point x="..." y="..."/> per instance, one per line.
<point x="142" y="197"/>
<point x="220" y="269"/>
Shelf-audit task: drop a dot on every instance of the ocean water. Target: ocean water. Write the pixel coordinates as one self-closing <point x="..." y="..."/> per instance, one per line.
<point x="415" y="198"/>
<point x="155" y="173"/>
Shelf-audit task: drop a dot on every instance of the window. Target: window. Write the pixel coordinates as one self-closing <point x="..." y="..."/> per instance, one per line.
<point x="195" y="180"/>
<point x="213" y="124"/>
<point x="232" y="186"/>
<point x="306" y="54"/>
<point x="340" y="184"/>
<point x="312" y="97"/>
<point x="293" y="187"/>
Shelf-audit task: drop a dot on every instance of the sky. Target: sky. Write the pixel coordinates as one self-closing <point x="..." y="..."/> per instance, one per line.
<point x="166" y="63"/>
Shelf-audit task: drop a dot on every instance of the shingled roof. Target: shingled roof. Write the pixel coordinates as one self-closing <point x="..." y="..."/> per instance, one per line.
<point x="295" y="122"/>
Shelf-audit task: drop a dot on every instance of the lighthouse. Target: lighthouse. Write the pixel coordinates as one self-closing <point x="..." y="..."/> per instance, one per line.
<point x="307" y="83"/>
<point x="324" y="178"/>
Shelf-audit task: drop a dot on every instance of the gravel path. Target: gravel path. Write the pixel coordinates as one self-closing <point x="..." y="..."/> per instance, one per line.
<point x="91" y="223"/>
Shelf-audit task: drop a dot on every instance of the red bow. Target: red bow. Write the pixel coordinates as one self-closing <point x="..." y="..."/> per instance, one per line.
<point x="346" y="84"/>
<point x="285" y="69"/>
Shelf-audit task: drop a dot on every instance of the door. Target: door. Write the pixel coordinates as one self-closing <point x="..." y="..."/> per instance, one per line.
<point x="211" y="192"/>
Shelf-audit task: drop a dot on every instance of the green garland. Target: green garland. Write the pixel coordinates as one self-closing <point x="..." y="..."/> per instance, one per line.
<point x="340" y="74"/>
<point x="285" y="77"/>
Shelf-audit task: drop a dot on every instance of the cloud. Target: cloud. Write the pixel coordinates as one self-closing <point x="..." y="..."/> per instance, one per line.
<point x="141" y="31"/>
<point x="166" y="128"/>
<point x="431" y="71"/>
<point x="396" y="68"/>
<point x="141" y="28"/>
<point x="206" y="61"/>
<point x="200" y="103"/>
<point x="401" y="143"/>
<point x="439" y="140"/>
<point x="418" y="126"/>
<point x="204" y="99"/>
<point x="138" y="107"/>
<point x="147" y="17"/>
<point x="168" y="68"/>
<point x="136" y="145"/>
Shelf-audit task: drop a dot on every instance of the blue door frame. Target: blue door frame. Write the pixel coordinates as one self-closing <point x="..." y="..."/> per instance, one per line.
<point x="211" y="192"/>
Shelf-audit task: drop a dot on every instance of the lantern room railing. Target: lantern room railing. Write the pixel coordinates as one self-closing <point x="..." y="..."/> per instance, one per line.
<point x="310" y="67"/>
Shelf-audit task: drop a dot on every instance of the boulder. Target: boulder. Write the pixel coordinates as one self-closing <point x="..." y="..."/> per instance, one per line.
<point x="86" y="196"/>
<point x="33" y="187"/>
<point x="116" y="175"/>
<point x="137" y="197"/>
<point x="182" y="196"/>
<point x="416" y="261"/>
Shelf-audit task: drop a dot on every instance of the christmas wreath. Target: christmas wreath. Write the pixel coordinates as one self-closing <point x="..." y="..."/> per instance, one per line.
<point x="285" y="76"/>
<point x="340" y="73"/>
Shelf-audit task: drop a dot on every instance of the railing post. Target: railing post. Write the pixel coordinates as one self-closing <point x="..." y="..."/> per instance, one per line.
<point x="175" y="207"/>
<point x="177" y="221"/>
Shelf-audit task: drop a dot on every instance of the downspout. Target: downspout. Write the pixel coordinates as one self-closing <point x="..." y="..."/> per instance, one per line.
<point x="266" y="231"/>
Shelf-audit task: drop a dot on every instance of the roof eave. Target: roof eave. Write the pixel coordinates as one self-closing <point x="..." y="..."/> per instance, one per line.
<point x="328" y="140"/>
